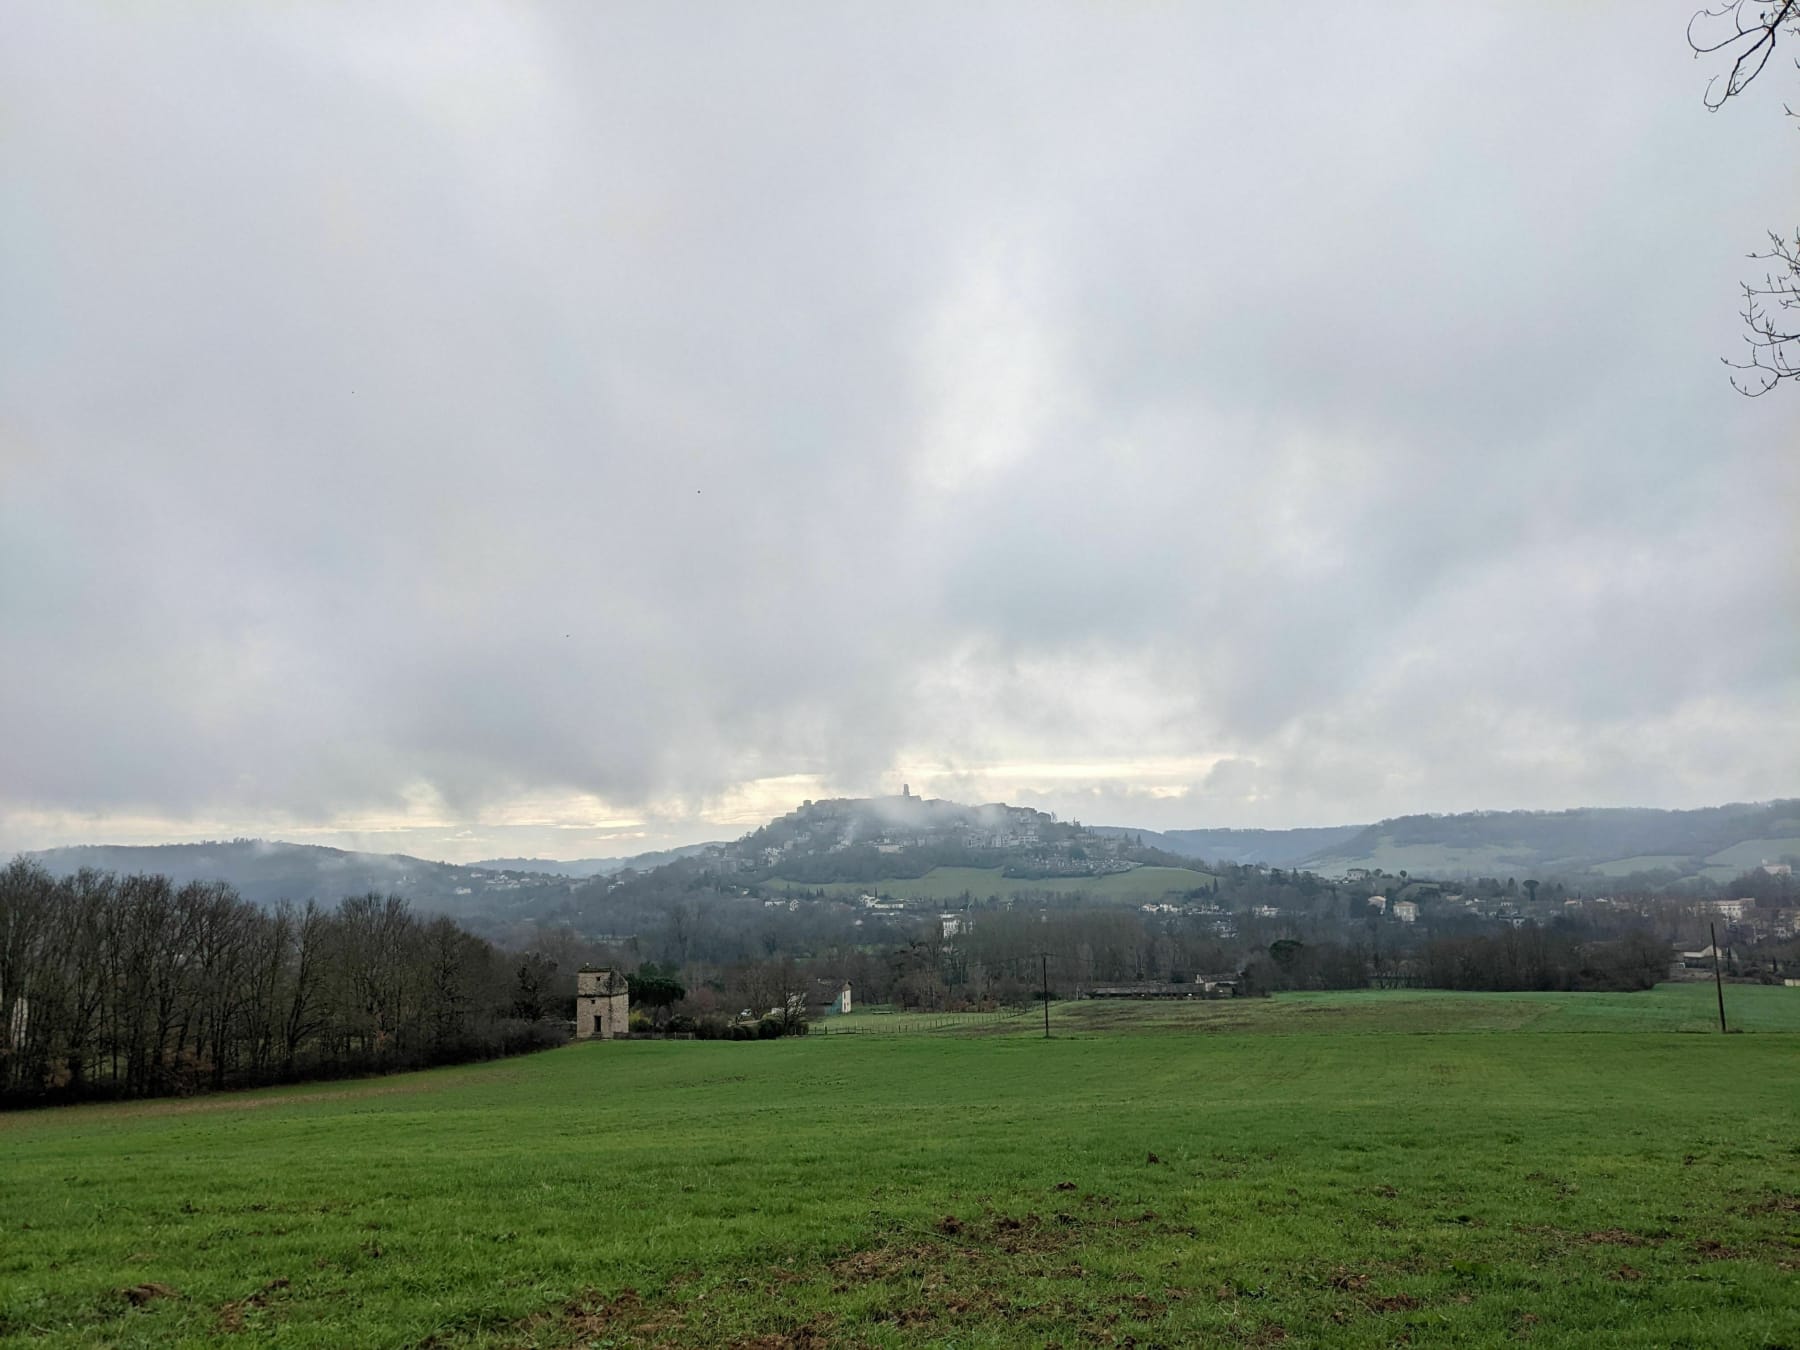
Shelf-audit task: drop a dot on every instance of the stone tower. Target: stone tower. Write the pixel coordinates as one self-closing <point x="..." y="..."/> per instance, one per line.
<point x="602" y="1004"/>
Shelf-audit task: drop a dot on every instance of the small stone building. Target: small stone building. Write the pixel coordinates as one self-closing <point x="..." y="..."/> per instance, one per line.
<point x="602" y="1004"/>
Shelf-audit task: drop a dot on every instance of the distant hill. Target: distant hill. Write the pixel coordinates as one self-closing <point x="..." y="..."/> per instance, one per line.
<point x="1643" y="845"/>
<point x="1270" y="848"/>
<point x="883" y="838"/>
<point x="594" y="867"/>
<point x="1716" y="842"/>
<point x="909" y="845"/>
<point x="264" y="871"/>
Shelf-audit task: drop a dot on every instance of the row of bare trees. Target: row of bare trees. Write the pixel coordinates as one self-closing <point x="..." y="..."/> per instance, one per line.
<point x="132" y="986"/>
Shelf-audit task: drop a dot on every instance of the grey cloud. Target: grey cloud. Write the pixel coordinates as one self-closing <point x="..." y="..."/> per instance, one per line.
<point x="644" y="401"/>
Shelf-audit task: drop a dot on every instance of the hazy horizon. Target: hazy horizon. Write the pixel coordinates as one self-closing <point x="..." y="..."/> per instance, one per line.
<point x="467" y="848"/>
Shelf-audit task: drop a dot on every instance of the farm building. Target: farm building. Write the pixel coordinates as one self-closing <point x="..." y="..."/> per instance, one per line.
<point x="1201" y="986"/>
<point x="1703" y="959"/>
<point x="602" y="1004"/>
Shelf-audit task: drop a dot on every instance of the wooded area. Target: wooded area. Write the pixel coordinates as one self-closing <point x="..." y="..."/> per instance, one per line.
<point x="131" y="986"/>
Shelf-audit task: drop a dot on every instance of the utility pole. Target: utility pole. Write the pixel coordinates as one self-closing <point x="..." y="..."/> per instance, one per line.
<point x="1718" y="980"/>
<point x="1046" y="960"/>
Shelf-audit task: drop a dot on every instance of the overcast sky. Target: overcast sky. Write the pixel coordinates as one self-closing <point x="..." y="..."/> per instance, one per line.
<point x="575" y="428"/>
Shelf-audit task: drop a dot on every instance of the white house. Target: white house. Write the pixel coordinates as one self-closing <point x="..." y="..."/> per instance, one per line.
<point x="1406" y="911"/>
<point x="1703" y="959"/>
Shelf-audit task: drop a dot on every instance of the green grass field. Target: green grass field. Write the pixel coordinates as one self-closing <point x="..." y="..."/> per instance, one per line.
<point x="1139" y="885"/>
<point x="1686" y="1007"/>
<point x="1363" y="1169"/>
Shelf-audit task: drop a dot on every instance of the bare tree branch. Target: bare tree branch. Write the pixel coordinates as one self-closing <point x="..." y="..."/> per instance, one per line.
<point x="1772" y="314"/>
<point x="1750" y="30"/>
<point x="1755" y="28"/>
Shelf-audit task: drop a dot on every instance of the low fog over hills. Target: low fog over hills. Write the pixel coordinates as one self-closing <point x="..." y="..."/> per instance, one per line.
<point x="865" y="839"/>
<point x="592" y="867"/>
<point x="265" y="871"/>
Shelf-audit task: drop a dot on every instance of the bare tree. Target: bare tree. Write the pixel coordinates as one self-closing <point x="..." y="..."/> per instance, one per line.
<point x="301" y="1017"/>
<point x="1748" y="32"/>
<point x="133" y="987"/>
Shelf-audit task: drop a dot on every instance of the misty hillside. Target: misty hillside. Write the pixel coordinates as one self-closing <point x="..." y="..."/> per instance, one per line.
<point x="1716" y="843"/>
<point x="1270" y="848"/>
<point x="594" y="867"/>
<point x="874" y="838"/>
<point x="264" y="871"/>
<point x="871" y="841"/>
<point x="865" y="839"/>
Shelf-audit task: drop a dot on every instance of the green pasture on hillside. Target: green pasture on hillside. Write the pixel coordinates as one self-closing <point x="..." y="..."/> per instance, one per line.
<point x="1502" y="860"/>
<point x="1360" y="1170"/>
<point x="1644" y="862"/>
<point x="1442" y="860"/>
<point x="1739" y="858"/>
<point x="1139" y="885"/>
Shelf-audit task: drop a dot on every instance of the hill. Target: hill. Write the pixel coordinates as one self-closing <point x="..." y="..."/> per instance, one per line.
<point x="879" y="839"/>
<point x="593" y="867"/>
<point x="945" y="885"/>
<point x="934" y="849"/>
<point x="1716" y="843"/>
<point x="1635" y="846"/>
<point x="264" y="871"/>
<point x="1267" y="848"/>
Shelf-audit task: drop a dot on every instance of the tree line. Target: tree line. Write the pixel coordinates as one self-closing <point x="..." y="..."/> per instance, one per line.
<point x="131" y="986"/>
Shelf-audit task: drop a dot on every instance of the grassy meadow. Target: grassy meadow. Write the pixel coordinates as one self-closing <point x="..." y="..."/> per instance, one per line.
<point x="1364" y="1169"/>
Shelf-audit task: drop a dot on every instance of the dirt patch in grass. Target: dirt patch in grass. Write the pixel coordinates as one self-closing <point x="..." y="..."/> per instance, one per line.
<point x="962" y="1243"/>
<point x="140" y="1294"/>
<point x="1393" y="1303"/>
<point x="1709" y="1249"/>
<point x="1776" y="1202"/>
<point x="942" y="1281"/>
<point x="231" y="1315"/>
<point x="818" y="1334"/>
<point x="883" y="1263"/>
<point x="591" y="1317"/>
<point x="1615" y="1237"/>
